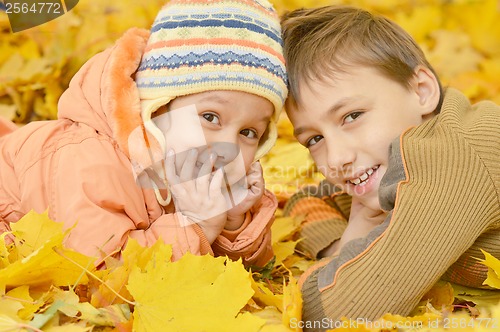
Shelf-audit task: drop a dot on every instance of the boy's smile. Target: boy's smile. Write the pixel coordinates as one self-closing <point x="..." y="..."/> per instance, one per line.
<point x="363" y="183"/>
<point x="348" y="121"/>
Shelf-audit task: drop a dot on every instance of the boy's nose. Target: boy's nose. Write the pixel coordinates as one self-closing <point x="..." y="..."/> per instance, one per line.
<point x="340" y="157"/>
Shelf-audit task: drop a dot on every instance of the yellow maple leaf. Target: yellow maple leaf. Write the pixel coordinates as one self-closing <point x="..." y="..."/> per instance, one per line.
<point x="283" y="228"/>
<point x="106" y="316"/>
<point x="7" y="111"/>
<point x="68" y="328"/>
<point x="196" y="293"/>
<point x="6" y="250"/>
<point x="440" y="296"/>
<point x="7" y="323"/>
<point x="453" y="53"/>
<point x="493" y="265"/>
<point x="10" y="306"/>
<point x="420" y="22"/>
<point x="46" y="267"/>
<point x="33" y="230"/>
<point x="420" y="322"/>
<point x="46" y="262"/>
<point x="10" y="67"/>
<point x="479" y="19"/>
<point x="482" y="298"/>
<point x="299" y="263"/>
<point x="265" y="297"/>
<point x="116" y="278"/>
<point x="292" y="303"/>
<point x="273" y="319"/>
<point x="283" y="250"/>
<point x="288" y="167"/>
<point x="380" y="5"/>
<point x="28" y="306"/>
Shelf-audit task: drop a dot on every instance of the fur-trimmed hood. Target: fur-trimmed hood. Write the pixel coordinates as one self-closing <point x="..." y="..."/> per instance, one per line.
<point x="75" y="168"/>
<point x="103" y="93"/>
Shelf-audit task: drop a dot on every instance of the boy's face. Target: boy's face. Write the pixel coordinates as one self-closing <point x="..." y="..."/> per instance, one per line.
<point x="227" y="123"/>
<point x="348" y="123"/>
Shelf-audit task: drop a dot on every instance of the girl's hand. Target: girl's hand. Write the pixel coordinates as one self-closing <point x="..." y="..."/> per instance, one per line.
<point x="252" y="194"/>
<point x="198" y="195"/>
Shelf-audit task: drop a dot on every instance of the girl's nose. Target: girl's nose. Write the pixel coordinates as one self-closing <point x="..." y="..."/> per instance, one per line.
<point x="226" y="152"/>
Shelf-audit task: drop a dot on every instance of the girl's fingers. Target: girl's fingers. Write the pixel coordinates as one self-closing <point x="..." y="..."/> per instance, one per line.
<point x="255" y="175"/>
<point x="257" y="188"/>
<point x="187" y="170"/>
<point x="203" y="179"/>
<point x="216" y="184"/>
<point x="255" y="169"/>
<point x="172" y="177"/>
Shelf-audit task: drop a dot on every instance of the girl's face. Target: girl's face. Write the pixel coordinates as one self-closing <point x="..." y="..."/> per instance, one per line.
<point x="228" y="124"/>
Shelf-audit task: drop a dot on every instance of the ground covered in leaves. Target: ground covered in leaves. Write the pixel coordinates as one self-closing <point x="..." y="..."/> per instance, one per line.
<point x="46" y="287"/>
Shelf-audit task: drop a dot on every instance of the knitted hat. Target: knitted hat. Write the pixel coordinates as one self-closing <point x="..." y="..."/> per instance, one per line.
<point x="203" y="45"/>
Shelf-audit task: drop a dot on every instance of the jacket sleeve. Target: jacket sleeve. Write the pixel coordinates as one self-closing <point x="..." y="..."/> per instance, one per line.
<point x="441" y="189"/>
<point x="93" y="189"/>
<point x="252" y="241"/>
<point x="324" y="211"/>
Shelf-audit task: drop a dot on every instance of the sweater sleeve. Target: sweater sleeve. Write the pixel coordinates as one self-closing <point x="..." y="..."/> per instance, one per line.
<point x="325" y="212"/>
<point x="100" y="198"/>
<point x="441" y="188"/>
<point x="252" y="241"/>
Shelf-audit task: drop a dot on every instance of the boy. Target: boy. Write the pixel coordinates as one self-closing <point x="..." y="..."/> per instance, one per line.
<point x="421" y="165"/>
<point x="209" y="70"/>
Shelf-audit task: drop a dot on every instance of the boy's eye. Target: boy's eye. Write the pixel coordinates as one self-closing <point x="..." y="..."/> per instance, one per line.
<point x="212" y="118"/>
<point x="250" y="133"/>
<point x="314" y="140"/>
<point x="352" y="116"/>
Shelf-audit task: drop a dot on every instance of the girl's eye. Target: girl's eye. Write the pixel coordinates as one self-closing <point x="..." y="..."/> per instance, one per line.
<point x="212" y="118"/>
<point x="250" y="133"/>
<point x="352" y="116"/>
<point x="314" y="140"/>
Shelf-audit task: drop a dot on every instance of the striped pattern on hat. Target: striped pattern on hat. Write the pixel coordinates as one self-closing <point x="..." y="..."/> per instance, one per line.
<point x="204" y="45"/>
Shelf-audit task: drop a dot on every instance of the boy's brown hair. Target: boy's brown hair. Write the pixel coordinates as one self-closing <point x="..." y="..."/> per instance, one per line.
<point x="321" y="41"/>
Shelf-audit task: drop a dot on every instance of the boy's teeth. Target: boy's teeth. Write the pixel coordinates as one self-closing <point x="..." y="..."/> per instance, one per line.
<point x="363" y="177"/>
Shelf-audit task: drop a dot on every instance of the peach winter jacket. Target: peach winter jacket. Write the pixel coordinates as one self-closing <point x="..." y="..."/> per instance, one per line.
<point x="78" y="167"/>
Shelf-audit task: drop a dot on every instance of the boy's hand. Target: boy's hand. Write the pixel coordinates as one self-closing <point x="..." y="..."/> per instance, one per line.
<point x="361" y="222"/>
<point x="198" y="195"/>
<point x="253" y="194"/>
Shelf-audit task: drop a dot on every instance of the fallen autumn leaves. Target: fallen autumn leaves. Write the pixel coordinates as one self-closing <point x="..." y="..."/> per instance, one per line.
<point x="47" y="287"/>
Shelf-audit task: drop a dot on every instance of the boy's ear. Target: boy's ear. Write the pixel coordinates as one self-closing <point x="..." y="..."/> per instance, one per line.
<point x="426" y="86"/>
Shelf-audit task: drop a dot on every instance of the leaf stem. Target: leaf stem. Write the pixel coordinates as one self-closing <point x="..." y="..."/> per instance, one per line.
<point x="18" y="299"/>
<point x="94" y="276"/>
<point x="23" y="326"/>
